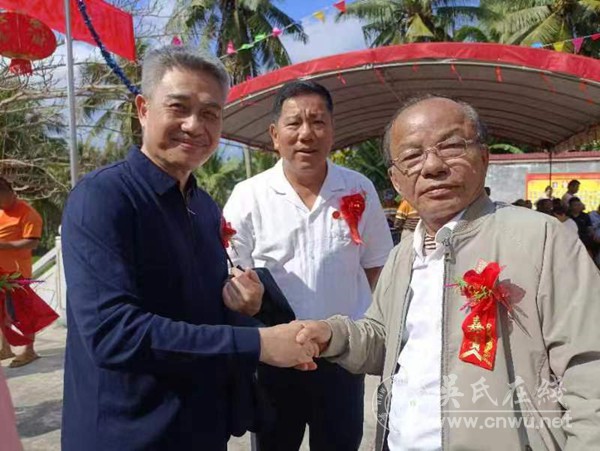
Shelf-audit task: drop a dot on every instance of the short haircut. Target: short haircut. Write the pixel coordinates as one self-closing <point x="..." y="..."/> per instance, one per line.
<point x="158" y="61"/>
<point x="574" y="199"/>
<point x="470" y="113"/>
<point x="573" y="183"/>
<point x="298" y="88"/>
<point x="559" y="209"/>
<point x="5" y="186"/>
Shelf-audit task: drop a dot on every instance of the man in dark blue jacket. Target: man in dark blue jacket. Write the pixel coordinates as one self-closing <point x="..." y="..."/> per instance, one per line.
<point x="154" y="360"/>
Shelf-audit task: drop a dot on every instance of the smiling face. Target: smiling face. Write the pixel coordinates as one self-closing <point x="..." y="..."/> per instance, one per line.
<point x="303" y="134"/>
<point x="441" y="189"/>
<point x="182" y="120"/>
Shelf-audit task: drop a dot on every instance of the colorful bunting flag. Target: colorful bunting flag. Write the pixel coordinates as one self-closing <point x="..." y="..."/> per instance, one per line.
<point x="230" y="48"/>
<point x="260" y="37"/>
<point x="559" y="46"/>
<point x="537" y="45"/>
<point x="577" y="43"/>
<point x="246" y="46"/>
<point x="595" y="36"/>
<point x="276" y="32"/>
<point x="340" y="6"/>
<point x="499" y="74"/>
<point x="176" y="41"/>
<point x="320" y="15"/>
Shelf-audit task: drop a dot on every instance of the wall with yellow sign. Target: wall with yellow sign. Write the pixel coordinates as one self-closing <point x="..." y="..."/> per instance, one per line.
<point x="589" y="190"/>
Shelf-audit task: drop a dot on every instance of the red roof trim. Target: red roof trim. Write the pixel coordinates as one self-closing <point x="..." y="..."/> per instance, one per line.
<point x="545" y="60"/>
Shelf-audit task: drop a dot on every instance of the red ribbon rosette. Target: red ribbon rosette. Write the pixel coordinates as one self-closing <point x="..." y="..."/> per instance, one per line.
<point x="352" y="208"/>
<point x="227" y="232"/>
<point x="483" y="294"/>
<point x="22" y="312"/>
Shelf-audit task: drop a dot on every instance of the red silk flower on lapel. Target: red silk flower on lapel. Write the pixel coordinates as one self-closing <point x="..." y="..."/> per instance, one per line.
<point x="352" y="208"/>
<point x="227" y="232"/>
<point x="483" y="295"/>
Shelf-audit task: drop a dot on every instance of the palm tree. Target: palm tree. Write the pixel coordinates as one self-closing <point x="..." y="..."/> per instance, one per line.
<point x="366" y="159"/>
<point x="401" y="21"/>
<point x="218" y="176"/>
<point x="215" y="23"/>
<point x="108" y="112"/>
<point x="545" y="21"/>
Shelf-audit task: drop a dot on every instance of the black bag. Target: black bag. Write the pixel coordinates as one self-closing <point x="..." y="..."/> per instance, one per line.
<point x="275" y="308"/>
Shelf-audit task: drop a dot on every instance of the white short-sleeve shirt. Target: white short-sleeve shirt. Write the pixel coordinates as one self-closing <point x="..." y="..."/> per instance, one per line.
<point x="309" y="252"/>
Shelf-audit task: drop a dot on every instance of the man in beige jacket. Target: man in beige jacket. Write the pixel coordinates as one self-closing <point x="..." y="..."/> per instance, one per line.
<point x="542" y="391"/>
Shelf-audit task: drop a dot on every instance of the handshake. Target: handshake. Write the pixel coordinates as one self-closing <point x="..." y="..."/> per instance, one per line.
<point x="295" y="344"/>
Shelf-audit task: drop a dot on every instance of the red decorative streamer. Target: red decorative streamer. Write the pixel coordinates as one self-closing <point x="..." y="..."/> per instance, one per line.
<point x="483" y="295"/>
<point x="352" y="208"/>
<point x="499" y="74"/>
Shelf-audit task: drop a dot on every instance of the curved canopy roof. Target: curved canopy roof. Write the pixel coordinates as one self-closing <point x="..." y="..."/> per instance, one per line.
<point x="525" y="95"/>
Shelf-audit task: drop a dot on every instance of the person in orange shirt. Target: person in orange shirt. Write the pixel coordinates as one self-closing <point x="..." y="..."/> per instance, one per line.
<point x="20" y="232"/>
<point x="407" y="218"/>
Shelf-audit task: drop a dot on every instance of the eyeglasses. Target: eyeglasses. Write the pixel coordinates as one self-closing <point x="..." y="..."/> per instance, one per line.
<point x="411" y="161"/>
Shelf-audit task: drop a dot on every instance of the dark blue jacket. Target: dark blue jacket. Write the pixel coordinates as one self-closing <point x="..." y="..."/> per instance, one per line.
<point x="151" y="362"/>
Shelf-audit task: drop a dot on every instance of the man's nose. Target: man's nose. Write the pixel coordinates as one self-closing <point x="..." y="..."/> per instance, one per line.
<point x="193" y="124"/>
<point x="433" y="165"/>
<point x="305" y="131"/>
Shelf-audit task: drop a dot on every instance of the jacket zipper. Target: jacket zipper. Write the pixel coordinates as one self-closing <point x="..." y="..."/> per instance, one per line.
<point x="443" y="364"/>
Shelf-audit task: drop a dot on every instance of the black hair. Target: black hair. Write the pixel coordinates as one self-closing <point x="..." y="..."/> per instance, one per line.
<point x="298" y="88"/>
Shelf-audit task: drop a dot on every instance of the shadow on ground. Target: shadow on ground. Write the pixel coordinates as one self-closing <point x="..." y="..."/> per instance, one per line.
<point x="50" y="360"/>
<point x="39" y="419"/>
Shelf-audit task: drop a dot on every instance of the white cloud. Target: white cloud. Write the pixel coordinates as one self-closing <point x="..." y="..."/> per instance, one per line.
<point x="326" y="39"/>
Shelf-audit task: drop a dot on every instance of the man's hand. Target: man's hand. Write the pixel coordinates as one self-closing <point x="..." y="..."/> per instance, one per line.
<point x="243" y="292"/>
<point x="317" y="332"/>
<point x="279" y="347"/>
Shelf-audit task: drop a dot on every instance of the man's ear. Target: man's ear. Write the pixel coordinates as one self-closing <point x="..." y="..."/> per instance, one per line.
<point x="274" y="136"/>
<point x="141" y="105"/>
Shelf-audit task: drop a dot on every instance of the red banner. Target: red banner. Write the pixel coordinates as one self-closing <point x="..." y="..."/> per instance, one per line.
<point x="114" y="26"/>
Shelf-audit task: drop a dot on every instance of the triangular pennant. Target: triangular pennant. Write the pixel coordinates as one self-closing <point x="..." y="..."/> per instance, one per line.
<point x="537" y="45"/>
<point x="320" y="15"/>
<point x="230" y="48"/>
<point x="595" y="36"/>
<point x="246" y="46"/>
<point x="577" y="43"/>
<point x="260" y="37"/>
<point x="176" y="41"/>
<point x="559" y="46"/>
<point x="341" y="6"/>
<point x="276" y="32"/>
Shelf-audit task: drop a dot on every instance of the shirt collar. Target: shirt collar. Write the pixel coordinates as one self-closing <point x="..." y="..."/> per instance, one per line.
<point x="419" y="235"/>
<point x="333" y="180"/>
<point x="159" y="180"/>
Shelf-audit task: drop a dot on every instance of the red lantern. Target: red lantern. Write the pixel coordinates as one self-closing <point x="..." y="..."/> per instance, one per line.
<point x="24" y="39"/>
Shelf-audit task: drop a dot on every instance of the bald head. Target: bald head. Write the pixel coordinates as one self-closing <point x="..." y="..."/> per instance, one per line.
<point x="444" y="104"/>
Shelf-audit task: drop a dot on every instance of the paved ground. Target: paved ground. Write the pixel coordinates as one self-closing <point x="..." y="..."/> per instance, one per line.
<point x="37" y="394"/>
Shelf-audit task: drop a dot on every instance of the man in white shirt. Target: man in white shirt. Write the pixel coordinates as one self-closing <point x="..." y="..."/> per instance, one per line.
<point x="320" y="230"/>
<point x="572" y="189"/>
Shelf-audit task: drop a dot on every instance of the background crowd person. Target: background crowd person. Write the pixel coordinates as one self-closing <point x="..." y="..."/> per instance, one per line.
<point x="407" y="218"/>
<point x="20" y="233"/>
<point x="560" y="212"/>
<point x="544" y="205"/>
<point x="572" y="189"/>
<point x="582" y="219"/>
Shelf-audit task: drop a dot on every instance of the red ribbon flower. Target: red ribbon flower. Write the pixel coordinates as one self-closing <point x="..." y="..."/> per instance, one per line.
<point x="227" y="232"/>
<point x="351" y="209"/>
<point x="483" y="294"/>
